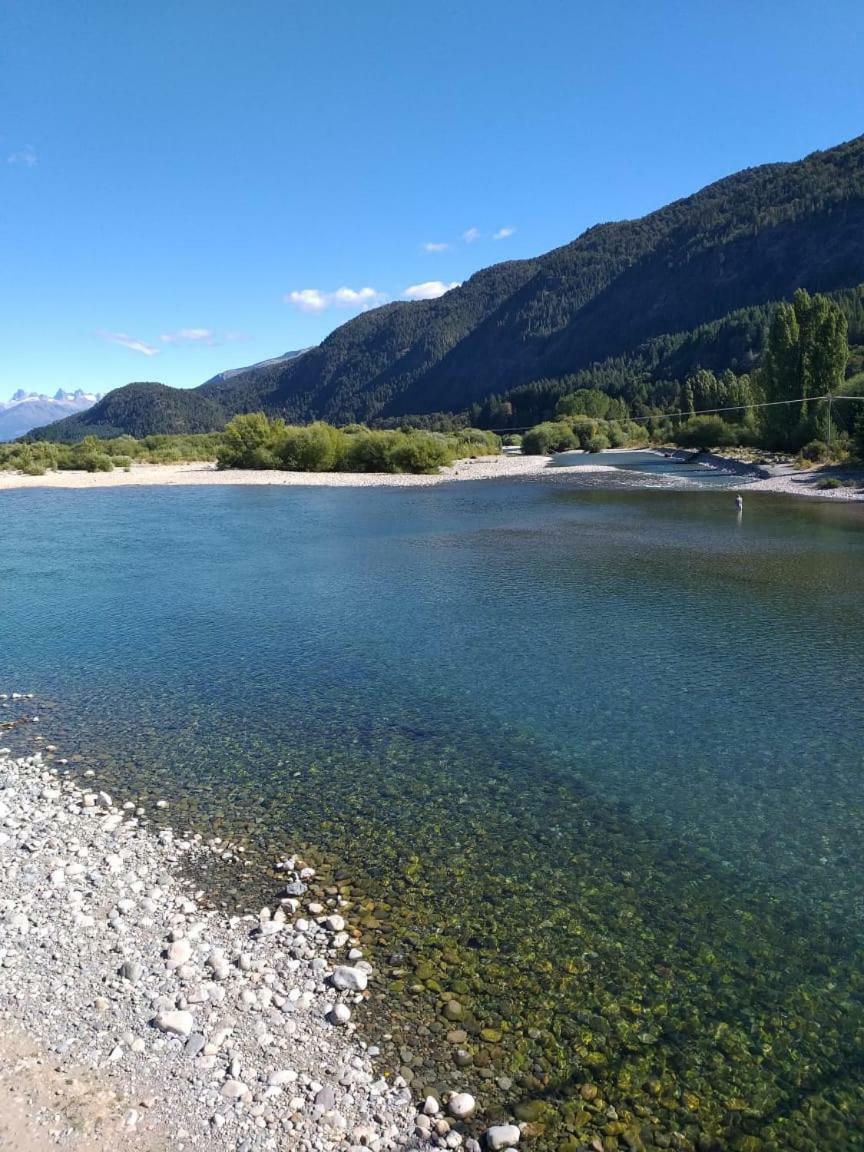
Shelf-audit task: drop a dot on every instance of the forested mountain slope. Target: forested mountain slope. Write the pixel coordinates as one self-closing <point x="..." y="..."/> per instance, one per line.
<point x="740" y="243"/>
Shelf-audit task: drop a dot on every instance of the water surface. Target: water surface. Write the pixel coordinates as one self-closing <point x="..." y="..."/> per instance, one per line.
<point x="588" y="760"/>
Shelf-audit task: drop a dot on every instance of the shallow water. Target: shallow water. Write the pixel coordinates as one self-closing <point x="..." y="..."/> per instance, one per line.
<point x="590" y="758"/>
<point x="649" y="468"/>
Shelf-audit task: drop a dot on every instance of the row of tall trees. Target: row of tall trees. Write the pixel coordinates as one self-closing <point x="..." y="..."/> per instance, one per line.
<point x="806" y="358"/>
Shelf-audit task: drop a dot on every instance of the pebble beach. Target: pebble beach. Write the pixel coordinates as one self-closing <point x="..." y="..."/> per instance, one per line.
<point x="134" y="1016"/>
<point x="477" y="468"/>
<point x="504" y="467"/>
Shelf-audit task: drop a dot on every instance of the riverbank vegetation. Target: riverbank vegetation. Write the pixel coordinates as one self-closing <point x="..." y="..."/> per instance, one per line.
<point x="255" y="441"/>
<point x="798" y="400"/>
<point x="91" y="454"/>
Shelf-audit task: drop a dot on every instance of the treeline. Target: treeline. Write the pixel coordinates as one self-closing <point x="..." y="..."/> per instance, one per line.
<point x="586" y="419"/>
<point x="777" y="405"/>
<point x="255" y="441"/>
<point x="652" y="380"/>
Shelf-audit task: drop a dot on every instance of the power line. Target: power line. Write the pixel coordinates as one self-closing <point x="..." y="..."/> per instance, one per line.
<point x="829" y="396"/>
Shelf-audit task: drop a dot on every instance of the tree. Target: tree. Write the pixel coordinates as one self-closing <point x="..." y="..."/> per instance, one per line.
<point x="780" y="376"/>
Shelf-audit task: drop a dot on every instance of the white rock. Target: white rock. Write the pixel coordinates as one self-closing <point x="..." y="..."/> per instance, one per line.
<point x="177" y="1023"/>
<point x="234" y="1089"/>
<point x="501" y="1136"/>
<point x="340" y="1014"/>
<point x="335" y="923"/>
<point x="281" y="1076"/>
<point x="461" y="1105"/>
<point x="179" y="953"/>
<point x="348" y="979"/>
<point x="431" y="1107"/>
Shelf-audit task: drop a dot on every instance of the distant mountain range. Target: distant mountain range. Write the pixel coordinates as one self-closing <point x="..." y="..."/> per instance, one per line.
<point x="27" y="410"/>
<point x="631" y="306"/>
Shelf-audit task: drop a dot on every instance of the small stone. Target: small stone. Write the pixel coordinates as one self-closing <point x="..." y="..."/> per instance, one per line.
<point x="281" y="1077"/>
<point x="132" y="971"/>
<point x="325" y="1099"/>
<point x="461" y="1105"/>
<point x="335" y="923"/>
<point x="349" y="979"/>
<point x="179" y="953"/>
<point x="431" y="1107"/>
<point x="340" y="1014"/>
<point x="194" y="1044"/>
<point x="176" y="1023"/>
<point x="234" y="1089"/>
<point x="501" y="1136"/>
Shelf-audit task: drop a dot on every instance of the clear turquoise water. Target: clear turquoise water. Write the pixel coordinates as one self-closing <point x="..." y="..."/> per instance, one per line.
<point x="591" y="759"/>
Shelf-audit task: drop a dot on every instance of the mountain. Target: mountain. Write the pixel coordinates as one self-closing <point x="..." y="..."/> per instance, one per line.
<point x="739" y="244"/>
<point x="28" y="410"/>
<point x="273" y="362"/>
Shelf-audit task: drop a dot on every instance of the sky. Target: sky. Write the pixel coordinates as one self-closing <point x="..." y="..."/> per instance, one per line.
<point x="191" y="187"/>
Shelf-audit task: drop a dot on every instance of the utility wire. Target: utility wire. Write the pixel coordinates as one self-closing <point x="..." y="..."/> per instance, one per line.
<point x="831" y="396"/>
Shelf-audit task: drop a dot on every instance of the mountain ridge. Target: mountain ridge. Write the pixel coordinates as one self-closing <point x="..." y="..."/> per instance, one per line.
<point x="27" y="410"/>
<point x="740" y="242"/>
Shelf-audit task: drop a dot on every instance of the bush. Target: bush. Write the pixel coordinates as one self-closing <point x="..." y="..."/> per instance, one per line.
<point x="514" y="440"/>
<point x="597" y="443"/>
<point x="816" y="450"/>
<point x="706" y="432"/>
<point x="420" y="453"/>
<point x="544" y="439"/>
<point x="829" y="482"/>
<point x="316" y="448"/>
<point x="247" y="442"/>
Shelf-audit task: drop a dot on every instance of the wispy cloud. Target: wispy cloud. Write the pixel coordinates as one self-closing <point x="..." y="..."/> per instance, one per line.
<point x="436" y="247"/>
<point x="503" y="233"/>
<point x="190" y="336"/>
<point x="429" y="290"/>
<point x="130" y="342"/>
<point x="356" y="299"/>
<point x="470" y="235"/>
<point x="25" y="156"/>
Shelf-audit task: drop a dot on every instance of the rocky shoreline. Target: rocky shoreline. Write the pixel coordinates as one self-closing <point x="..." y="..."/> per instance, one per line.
<point x="198" y="1028"/>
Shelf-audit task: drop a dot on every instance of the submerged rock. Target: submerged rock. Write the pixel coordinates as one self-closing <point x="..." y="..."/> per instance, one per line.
<point x="501" y="1136"/>
<point x="461" y="1105"/>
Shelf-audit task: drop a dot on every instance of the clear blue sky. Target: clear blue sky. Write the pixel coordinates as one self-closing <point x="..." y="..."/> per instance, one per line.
<point x="171" y="173"/>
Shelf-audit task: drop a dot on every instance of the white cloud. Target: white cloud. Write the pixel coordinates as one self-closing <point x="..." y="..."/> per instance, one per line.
<point x="429" y="290"/>
<point x="190" y="336"/>
<point x="431" y="247"/>
<point x="470" y="235"/>
<point x="307" y="300"/>
<point x="25" y="156"/>
<point x="314" y="300"/>
<point x="127" y="341"/>
<point x="503" y="233"/>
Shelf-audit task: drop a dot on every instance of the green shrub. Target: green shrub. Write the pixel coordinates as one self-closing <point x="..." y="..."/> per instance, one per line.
<point x="706" y="432"/>
<point x="419" y="453"/>
<point x="316" y="448"/>
<point x="816" y="450"/>
<point x="829" y="482"/>
<point x="247" y="442"/>
<point x="544" y="439"/>
<point x="597" y="443"/>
